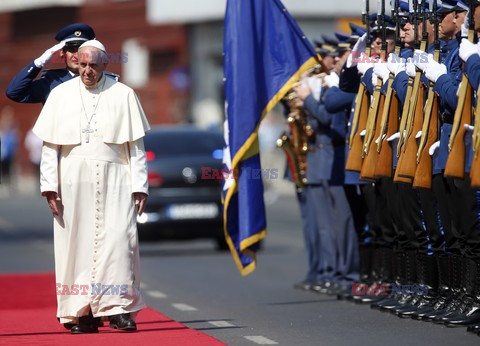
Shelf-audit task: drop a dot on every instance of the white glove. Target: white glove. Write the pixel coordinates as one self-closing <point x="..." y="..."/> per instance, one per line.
<point x="361" y="44"/>
<point x="358" y="48"/>
<point x="410" y="69"/>
<point x="434" y="148"/>
<point x="433" y="70"/>
<point x="381" y="70"/>
<point x="419" y="134"/>
<point x="467" y="49"/>
<point x="393" y="137"/>
<point x="465" y="27"/>
<point x="395" y="64"/>
<point x="468" y="128"/>
<point x="47" y="55"/>
<point x="374" y="79"/>
<point x="364" y="66"/>
<point x="332" y="80"/>
<point x="421" y="59"/>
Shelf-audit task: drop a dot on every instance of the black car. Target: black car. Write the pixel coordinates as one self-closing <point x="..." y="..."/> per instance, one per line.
<point x="182" y="204"/>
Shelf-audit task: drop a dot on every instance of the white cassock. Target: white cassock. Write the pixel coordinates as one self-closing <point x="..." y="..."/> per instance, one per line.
<point x="95" y="173"/>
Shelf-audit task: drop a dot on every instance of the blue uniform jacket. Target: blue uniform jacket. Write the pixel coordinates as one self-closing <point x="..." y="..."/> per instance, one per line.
<point x="25" y="89"/>
<point x="326" y="159"/>
<point x="446" y="87"/>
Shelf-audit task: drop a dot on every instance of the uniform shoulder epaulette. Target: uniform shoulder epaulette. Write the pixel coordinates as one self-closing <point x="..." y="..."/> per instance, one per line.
<point x="112" y="75"/>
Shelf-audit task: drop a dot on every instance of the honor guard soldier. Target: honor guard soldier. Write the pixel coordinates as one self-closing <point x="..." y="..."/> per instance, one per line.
<point x="25" y="88"/>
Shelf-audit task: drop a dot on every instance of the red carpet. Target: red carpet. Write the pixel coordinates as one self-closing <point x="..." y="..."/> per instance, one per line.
<point x="28" y="317"/>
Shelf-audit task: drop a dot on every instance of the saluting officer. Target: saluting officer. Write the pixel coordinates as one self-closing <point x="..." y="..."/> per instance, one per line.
<point x="25" y="88"/>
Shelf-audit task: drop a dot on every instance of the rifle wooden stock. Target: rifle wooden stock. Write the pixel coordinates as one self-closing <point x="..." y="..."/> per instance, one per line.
<point x="396" y="177"/>
<point x="411" y="147"/>
<point x="384" y="166"/>
<point x="371" y="158"/>
<point x="475" y="169"/>
<point x="403" y="121"/>
<point x="455" y="166"/>
<point x="355" y="157"/>
<point x="423" y="174"/>
<point x="475" y="172"/>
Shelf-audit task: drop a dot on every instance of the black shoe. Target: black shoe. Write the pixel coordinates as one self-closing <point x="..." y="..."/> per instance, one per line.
<point x="322" y="286"/>
<point x="303" y="285"/>
<point x="473" y="328"/>
<point x="68" y="325"/>
<point x="83" y="329"/>
<point x="86" y="325"/>
<point x="122" y="322"/>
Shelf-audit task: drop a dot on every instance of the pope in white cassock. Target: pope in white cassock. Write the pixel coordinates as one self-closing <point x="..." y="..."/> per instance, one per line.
<point x="94" y="176"/>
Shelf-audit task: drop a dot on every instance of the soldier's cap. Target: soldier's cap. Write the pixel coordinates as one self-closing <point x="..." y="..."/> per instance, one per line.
<point x="409" y="9"/>
<point x="390" y="25"/>
<point x="404" y="7"/>
<point x="324" y="48"/>
<point x="75" y="34"/>
<point x="461" y="7"/>
<point x="357" y="32"/>
<point x="447" y="6"/>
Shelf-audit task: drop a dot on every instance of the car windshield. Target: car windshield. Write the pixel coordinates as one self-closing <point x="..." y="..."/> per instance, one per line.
<point x="178" y="143"/>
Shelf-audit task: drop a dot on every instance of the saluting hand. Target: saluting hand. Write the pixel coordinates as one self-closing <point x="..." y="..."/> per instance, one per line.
<point x="140" y="199"/>
<point x="47" y="55"/>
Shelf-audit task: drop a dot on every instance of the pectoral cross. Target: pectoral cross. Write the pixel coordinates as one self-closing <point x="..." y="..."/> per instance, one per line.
<point x="87" y="131"/>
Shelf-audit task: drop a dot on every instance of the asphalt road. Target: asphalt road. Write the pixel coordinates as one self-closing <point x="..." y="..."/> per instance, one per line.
<point x="193" y="283"/>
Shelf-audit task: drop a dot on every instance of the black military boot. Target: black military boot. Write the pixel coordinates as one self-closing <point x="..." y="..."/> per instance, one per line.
<point x="379" y="264"/>
<point x="399" y="278"/>
<point x="471" y="313"/>
<point x="427" y="279"/>
<point x="456" y="302"/>
<point x="444" y="289"/>
<point x="431" y="286"/>
<point x="408" y="299"/>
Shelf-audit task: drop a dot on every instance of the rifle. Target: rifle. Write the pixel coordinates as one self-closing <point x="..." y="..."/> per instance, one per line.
<point x="373" y="121"/>
<point x="423" y="174"/>
<point x="407" y="166"/>
<point x="389" y="121"/>
<point x="359" y="121"/>
<point x="475" y="169"/>
<point x="455" y="166"/>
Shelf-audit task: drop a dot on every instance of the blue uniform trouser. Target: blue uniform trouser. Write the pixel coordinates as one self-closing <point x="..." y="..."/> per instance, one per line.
<point x="331" y="244"/>
<point x="310" y="234"/>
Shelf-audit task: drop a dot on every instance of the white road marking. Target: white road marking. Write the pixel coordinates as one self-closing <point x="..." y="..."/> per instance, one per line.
<point x="156" y="294"/>
<point x="261" y="340"/>
<point x="184" y="307"/>
<point x="221" y="324"/>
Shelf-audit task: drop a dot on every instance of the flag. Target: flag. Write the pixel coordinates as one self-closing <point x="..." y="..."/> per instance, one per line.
<point x="265" y="52"/>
